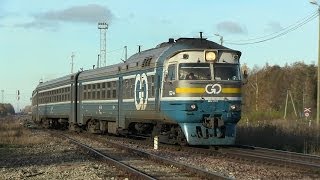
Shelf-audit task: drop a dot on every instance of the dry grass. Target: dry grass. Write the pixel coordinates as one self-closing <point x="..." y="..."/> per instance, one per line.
<point x="12" y="132"/>
<point x="291" y="135"/>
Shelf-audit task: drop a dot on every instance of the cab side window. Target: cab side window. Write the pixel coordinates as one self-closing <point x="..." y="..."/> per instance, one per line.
<point x="172" y="72"/>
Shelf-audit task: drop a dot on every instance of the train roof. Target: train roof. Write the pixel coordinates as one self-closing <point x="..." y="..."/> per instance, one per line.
<point x="150" y="57"/>
<point x="142" y="60"/>
<point x="200" y="43"/>
<point x="57" y="81"/>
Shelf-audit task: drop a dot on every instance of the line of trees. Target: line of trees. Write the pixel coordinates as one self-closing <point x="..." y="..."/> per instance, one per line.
<point x="6" y="109"/>
<point x="270" y="88"/>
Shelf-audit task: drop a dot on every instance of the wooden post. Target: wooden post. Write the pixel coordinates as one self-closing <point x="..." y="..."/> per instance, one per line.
<point x="285" y="108"/>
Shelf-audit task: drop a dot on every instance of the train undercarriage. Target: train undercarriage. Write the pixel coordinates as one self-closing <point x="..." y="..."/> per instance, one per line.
<point x="167" y="133"/>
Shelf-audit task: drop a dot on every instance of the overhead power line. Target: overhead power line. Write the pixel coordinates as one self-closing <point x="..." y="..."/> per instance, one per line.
<point x="277" y="34"/>
<point x="284" y="29"/>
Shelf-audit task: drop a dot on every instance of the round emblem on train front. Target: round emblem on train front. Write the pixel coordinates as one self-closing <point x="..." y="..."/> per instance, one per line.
<point x="213" y="88"/>
<point x="141" y="92"/>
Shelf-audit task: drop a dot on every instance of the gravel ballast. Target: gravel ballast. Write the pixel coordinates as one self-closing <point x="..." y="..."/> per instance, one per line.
<point x="52" y="158"/>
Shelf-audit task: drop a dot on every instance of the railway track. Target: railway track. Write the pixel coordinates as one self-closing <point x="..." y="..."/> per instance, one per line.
<point x="250" y="153"/>
<point x="276" y="157"/>
<point x="141" y="164"/>
<point x="236" y="162"/>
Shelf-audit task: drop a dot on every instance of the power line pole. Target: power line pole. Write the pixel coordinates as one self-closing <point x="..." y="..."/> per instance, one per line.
<point x="285" y="108"/>
<point x="125" y="53"/>
<point x="18" y="99"/>
<point x="2" y="95"/>
<point x="98" y="61"/>
<point x="256" y="87"/>
<point x="294" y="107"/>
<point x="72" y="56"/>
<point x="103" y="26"/>
<point x="318" y="85"/>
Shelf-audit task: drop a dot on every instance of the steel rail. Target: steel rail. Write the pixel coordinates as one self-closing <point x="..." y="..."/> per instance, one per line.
<point x="132" y="171"/>
<point x="285" y="158"/>
<point x="203" y="173"/>
<point x="200" y="172"/>
<point x="264" y="155"/>
<point x="309" y="157"/>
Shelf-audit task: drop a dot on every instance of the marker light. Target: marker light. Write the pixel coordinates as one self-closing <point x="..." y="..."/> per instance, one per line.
<point x="185" y="56"/>
<point x="210" y="55"/>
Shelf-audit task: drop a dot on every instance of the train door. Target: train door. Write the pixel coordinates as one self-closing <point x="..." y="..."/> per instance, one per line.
<point x="157" y="92"/>
<point x="72" y="116"/>
<point x="120" y="115"/>
<point x="78" y="103"/>
<point x="74" y="90"/>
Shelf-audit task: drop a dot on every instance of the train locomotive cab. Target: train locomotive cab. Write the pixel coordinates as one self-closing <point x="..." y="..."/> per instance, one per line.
<point x="202" y="93"/>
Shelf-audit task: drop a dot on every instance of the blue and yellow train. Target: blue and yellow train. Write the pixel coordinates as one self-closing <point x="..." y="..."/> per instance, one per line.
<point x="185" y="91"/>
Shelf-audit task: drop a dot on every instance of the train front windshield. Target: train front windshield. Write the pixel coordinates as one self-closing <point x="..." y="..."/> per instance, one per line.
<point x="199" y="71"/>
<point x="202" y="71"/>
<point x="226" y="72"/>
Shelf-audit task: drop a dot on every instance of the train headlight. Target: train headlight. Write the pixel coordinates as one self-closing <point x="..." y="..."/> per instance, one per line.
<point x="210" y="55"/>
<point x="235" y="107"/>
<point x="191" y="107"/>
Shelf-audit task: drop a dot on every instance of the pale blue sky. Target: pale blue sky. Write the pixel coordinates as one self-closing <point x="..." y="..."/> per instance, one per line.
<point x="37" y="37"/>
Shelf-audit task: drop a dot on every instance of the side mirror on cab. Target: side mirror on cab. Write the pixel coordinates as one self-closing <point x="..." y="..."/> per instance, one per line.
<point x="245" y="77"/>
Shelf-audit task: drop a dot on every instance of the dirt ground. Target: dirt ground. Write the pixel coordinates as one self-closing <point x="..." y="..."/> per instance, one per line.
<point x="33" y="154"/>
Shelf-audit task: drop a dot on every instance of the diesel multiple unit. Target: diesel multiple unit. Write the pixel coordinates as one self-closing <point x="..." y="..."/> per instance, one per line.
<point x="186" y="91"/>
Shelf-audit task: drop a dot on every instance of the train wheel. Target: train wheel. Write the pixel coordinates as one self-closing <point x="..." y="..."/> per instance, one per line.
<point x="45" y="123"/>
<point x="181" y="139"/>
<point x="93" y="126"/>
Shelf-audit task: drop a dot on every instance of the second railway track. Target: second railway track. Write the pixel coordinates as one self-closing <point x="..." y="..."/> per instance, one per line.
<point x="284" y="158"/>
<point x="256" y="154"/>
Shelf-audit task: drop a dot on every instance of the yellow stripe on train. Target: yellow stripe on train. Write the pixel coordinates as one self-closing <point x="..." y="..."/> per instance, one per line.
<point x="190" y="90"/>
<point x="231" y="90"/>
<point x="186" y="90"/>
